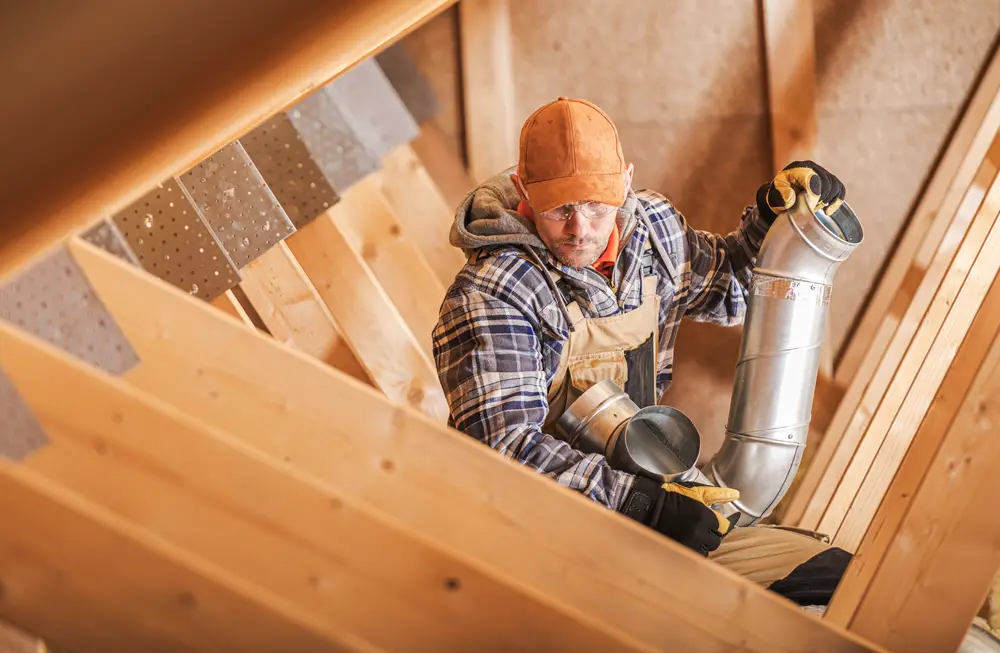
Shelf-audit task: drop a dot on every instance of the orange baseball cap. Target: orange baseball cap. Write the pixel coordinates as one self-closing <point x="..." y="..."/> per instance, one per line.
<point x="570" y="153"/>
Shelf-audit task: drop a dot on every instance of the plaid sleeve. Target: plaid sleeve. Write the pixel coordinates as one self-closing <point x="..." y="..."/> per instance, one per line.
<point x="721" y="267"/>
<point x="490" y="361"/>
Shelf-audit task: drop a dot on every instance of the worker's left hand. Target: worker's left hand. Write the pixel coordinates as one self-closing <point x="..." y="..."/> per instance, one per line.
<point x="823" y="190"/>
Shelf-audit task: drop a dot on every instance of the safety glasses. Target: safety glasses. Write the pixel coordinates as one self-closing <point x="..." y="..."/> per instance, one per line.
<point x="589" y="210"/>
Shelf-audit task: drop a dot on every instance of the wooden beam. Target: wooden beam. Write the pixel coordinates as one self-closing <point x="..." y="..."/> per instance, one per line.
<point x="117" y="588"/>
<point x="293" y="311"/>
<point x="354" y="577"/>
<point x="443" y="164"/>
<point x="422" y="211"/>
<point x="790" y="55"/>
<point x="918" y="376"/>
<point x="865" y="392"/>
<point x="373" y="230"/>
<point x="371" y="324"/>
<point x="440" y="483"/>
<point x="491" y="130"/>
<point x="145" y="107"/>
<point x="926" y="227"/>
<point x="934" y="554"/>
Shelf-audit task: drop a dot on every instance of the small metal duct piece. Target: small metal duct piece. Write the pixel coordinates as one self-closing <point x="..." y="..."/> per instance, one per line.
<point x="779" y="358"/>
<point x="657" y="441"/>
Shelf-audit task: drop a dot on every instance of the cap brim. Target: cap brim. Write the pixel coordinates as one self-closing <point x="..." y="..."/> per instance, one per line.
<point x="604" y="188"/>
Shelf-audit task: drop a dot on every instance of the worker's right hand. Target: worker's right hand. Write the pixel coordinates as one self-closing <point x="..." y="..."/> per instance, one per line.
<point x="682" y="511"/>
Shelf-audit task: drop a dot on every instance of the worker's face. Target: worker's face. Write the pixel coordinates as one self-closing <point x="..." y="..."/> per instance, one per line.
<point x="577" y="233"/>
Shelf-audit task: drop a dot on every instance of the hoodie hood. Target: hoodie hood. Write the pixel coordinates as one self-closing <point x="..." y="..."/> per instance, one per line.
<point x="488" y="217"/>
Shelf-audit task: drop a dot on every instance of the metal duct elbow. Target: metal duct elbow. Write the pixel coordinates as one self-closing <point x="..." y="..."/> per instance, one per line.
<point x="779" y="356"/>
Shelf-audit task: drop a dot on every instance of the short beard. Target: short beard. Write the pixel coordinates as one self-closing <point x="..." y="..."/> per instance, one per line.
<point x="581" y="259"/>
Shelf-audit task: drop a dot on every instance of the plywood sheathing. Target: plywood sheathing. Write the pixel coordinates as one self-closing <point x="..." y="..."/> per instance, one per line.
<point x="685" y="83"/>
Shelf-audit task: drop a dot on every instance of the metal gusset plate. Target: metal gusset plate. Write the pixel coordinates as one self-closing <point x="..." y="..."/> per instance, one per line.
<point x="53" y="300"/>
<point x="108" y="237"/>
<point x="237" y="204"/>
<point x="20" y="431"/>
<point x="412" y="87"/>
<point x="288" y="167"/>
<point x="372" y="107"/>
<point x="166" y="232"/>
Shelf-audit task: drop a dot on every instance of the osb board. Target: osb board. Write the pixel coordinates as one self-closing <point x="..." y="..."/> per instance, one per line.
<point x="435" y="49"/>
<point x="891" y="78"/>
<point x="684" y="82"/>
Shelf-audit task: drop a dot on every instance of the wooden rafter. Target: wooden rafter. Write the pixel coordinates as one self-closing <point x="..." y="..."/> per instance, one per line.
<point x="146" y="106"/>
<point x="488" y="84"/>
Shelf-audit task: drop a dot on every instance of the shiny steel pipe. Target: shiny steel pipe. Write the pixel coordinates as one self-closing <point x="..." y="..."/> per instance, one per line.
<point x="779" y="356"/>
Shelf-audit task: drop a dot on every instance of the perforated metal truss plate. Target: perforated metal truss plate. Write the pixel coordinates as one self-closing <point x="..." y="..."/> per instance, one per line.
<point x="174" y="243"/>
<point x="237" y="204"/>
<point x="53" y="300"/>
<point x="108" y="237"/>
<point x="373" y="108"/>
<point x="20" y="431"/>
<point x="287" y="165"/>
<point x="339" y="151"/>
<point x="412" y="87"/>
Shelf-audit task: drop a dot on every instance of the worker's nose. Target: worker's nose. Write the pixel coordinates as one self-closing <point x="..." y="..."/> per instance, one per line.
<point x="576" y="224"/>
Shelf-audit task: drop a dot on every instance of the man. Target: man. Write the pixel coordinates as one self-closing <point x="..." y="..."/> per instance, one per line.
<point x="573" y="278"/>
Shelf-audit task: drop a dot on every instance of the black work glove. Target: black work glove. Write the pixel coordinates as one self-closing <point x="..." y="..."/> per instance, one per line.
<point x="823" y="190"/>
<point x="681" y="511"/>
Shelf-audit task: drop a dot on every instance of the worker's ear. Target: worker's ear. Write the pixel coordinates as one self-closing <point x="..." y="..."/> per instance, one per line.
<point x="519" y="185"/>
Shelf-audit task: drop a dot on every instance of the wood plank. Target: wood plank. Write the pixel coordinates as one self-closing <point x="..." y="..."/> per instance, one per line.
<point x="145" y="105"/>
<point x="926" y="443"/>
<point x="439" y="482"/>
<point x="353" y="575"/>
<point x="117" y="588"/>
<point x="866" y="390"/>
<point x="422" y="211"/>
<point x="369" y="321"/>
<point x="373" y="230"/>
<point x="444" y="165"/>
<point x="491" y="130"/>
<point x="938" y="566"/>
<point x="790" y="56"/>
<point x="228" y="304"/>
<point x="922" y="369"/>
<point x="926" y="226"/>
<point x="294" y="313"/>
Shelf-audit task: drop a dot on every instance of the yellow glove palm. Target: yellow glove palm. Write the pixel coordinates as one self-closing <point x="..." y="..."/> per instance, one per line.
<point x="824" y="192"/>
<point x="709" y="495"/>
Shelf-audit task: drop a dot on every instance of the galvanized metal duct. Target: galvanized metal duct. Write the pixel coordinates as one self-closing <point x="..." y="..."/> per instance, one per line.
<point x="779" y="357"/>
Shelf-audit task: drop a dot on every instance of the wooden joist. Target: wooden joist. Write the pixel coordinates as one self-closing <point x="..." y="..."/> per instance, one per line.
<point x="932" y="551"/>
<point x="491" y="127"/>
<point x="863" y="397"/>
<point x="294" y="313"/>
<point x="145" y="104"/>
<point x="373" y="230"/>
<point x="392" y="356"/>
<point x="593" y="578"/>
<point x="422" y="211"/>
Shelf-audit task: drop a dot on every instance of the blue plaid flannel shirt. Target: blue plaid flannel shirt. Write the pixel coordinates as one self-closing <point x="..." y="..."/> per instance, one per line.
<point x="500" y="333"/>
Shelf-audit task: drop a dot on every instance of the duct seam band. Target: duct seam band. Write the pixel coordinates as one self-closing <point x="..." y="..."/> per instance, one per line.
<point x="762" y="285"/>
